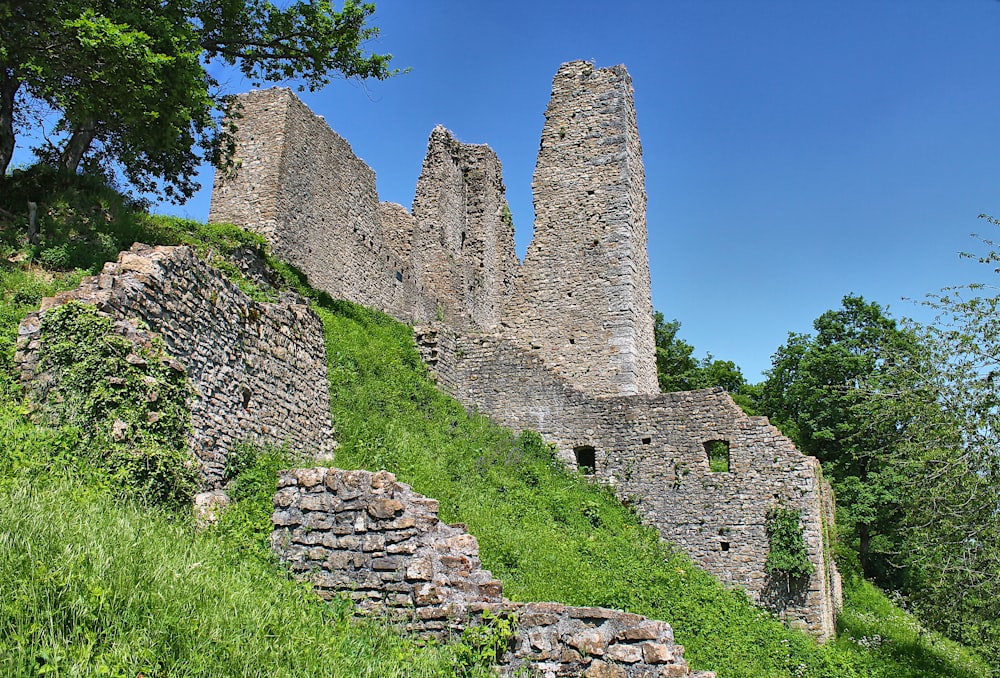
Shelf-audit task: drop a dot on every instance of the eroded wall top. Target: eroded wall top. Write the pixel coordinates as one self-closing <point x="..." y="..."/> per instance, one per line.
<point x="463" y="245"/>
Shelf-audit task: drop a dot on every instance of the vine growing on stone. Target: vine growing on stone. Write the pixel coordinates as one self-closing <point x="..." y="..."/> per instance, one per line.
<point x="125" y="398"/>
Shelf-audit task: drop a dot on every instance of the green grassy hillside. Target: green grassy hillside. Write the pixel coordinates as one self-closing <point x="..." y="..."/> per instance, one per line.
<point x="95" y="580"/>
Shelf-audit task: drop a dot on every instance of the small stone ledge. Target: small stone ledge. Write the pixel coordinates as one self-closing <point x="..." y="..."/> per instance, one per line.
<point x="375" y="540"/>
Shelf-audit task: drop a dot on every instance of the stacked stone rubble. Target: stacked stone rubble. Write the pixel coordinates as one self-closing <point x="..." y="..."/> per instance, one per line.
<point x="375" y="539"/>
<point x="258" y="369"/>
<point x="593" y="642"/>
<point x="369" y="537"/>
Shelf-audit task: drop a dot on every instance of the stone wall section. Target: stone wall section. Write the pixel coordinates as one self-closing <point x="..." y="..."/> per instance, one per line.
<point x="463" y="245"/>
<point x="652" y="450"/>
<point x="375" y="540"/>
<point x="298" y="183"/>
<point x="563" y="343"/>
<point x="582" y="301"/>
<point x="259" y="369"/>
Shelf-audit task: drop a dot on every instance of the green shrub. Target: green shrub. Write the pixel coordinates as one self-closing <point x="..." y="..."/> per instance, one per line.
<point x="132" y="406"/>
<point x="787" y="554"/>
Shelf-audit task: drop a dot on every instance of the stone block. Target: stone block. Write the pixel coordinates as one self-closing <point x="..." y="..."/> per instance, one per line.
<point x="626" y="654"/>
<point x="657" y="653"/>
<point x="600" y="669"/>
<point x="590" y="642"/>
<point x="384" y="508"/>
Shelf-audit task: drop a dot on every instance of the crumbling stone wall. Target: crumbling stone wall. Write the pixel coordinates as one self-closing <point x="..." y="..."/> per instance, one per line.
<point x="374" y="539"/>
<point x="583" y="299"/>
<point x="652" y="449"/>
<point x="562" y="344"/>
<point x="463" y="244"/>
<point x="297" y="183"/>
<point x="259" y="369"/>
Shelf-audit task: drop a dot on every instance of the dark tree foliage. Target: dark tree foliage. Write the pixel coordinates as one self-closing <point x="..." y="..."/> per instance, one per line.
<point x="131" y="84"/>
<point x="678" y="370"/>
<point x="837" y="395"/>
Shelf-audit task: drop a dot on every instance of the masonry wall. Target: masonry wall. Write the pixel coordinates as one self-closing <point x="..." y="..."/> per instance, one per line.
<point x="563" y="343"/>
<point x="259" y="369"/>
<point x="463" y="246"/>
<point x="366" y="536"/>
<point x="652" y="450"/>
<point x="299" y="184"/>
<point x="583" y="301"/>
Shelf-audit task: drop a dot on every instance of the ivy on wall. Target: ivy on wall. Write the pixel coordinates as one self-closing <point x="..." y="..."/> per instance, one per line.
<point x="127" y="397"/>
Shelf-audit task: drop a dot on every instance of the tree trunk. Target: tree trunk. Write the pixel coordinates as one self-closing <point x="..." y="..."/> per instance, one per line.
<point x="8" y="88"/>
<point x="864" y="550"/>
<point x="77" y="145"/>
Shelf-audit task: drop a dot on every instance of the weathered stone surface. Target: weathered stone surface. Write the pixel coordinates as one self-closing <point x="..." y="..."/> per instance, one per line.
<point x="652" y="450"/>
<point x="582" y="301"/>
<point x="437" y="588"/>
<point x="225" y="341"/>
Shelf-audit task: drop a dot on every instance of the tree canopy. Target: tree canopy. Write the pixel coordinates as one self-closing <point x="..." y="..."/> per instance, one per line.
<point x="955" y="549"/>
<point x="131" y="83"/>
<point x="678" y="370"/>
<point x="905" y="419"/>
<point x="837" y="394"/>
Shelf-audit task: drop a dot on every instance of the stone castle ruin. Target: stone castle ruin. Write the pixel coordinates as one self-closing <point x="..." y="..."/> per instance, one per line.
<point x="561" y="343"/>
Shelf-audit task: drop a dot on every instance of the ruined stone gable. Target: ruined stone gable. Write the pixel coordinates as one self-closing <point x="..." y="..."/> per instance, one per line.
<point x="463" y="238"/>
<point x="563" y="343"/>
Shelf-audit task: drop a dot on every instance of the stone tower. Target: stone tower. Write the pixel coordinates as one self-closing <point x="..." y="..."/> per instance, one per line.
<point x="463" y="238"/>
<point x="582" y="301"/>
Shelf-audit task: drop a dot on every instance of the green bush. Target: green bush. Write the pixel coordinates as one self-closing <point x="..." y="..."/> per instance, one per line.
<point x="787" y="554"/>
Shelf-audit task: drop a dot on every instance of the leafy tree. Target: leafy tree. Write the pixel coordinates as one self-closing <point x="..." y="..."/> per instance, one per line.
<point x="130" y="79"/>
<point x="848" y="396"/>
<point x="954" y="553"/>
<point x="678" y="370"/>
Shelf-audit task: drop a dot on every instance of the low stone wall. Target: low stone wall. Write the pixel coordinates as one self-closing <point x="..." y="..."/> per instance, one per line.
<point x="374" y="539"/>
<point x="382" y="544"/>
<point x="595" y="642"/>
<point x="259" y="369"/>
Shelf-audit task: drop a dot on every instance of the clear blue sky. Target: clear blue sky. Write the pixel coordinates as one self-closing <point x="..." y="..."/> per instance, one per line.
<point x="795" y="150"/>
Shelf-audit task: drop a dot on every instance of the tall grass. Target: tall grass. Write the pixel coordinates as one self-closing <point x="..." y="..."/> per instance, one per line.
<point x="552" y="534"/>
<point x="93" y="586"/>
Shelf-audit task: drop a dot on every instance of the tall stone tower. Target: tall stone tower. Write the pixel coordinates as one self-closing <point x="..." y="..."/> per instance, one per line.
<point x="582" y="301"/>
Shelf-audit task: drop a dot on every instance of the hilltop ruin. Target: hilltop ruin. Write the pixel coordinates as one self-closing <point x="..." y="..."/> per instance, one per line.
<point x="561" y="343"/>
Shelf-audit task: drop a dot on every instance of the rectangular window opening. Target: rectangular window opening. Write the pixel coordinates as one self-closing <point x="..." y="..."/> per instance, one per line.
<point x="586" y="459"/>
<point x="718" y="455"/>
